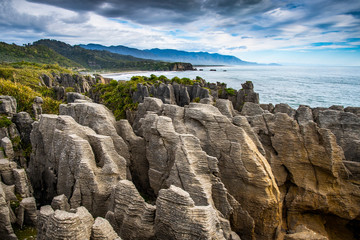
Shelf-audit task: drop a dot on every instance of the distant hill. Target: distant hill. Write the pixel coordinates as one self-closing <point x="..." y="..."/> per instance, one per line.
<point x="30" y="53"/>
<point x="198" y="58"/>
<point x="104" y="60"/>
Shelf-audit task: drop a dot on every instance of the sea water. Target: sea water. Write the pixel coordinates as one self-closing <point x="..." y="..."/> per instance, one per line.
<point x="313" y="86"/>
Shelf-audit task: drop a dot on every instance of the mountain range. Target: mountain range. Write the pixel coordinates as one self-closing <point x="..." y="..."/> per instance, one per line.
<point x="171" y="55"/>
<point x="57" y="52"/>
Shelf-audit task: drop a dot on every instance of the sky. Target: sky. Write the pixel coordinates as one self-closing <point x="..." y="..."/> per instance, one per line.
<point x="307" y="32"/>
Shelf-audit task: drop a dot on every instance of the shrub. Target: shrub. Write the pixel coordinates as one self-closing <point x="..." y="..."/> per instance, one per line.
<point x="230" y="91"/>
<point x="5" y="122"/>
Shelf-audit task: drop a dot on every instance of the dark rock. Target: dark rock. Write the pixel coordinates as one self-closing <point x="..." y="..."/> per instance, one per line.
<point x="337" y="108"/>
<point x="59" y="92"/>
<point x="246" y="94"/>
<point x="354" y="110"/>
<point x="47" y="80"/>
<point x="23" y="123"/>
<point x="72" y="96"/>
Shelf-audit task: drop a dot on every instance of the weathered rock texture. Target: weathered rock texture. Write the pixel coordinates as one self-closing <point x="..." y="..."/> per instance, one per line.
<point x="7" y="105"/>
<point x="181" y="94"/>
<point x="73" y="160"/>
<point x="202" y="171"/>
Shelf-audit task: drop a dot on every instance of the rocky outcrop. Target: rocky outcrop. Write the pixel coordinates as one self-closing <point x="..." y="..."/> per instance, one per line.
<point x="246" y="94"/>
<point x="180" y="66"/>
<point x="64" y="225"/>
<point x="37" y="107"/>
<point x="102" y="230"/>
<point x="169" y="154"/>
<point x="131" y="216"/>
<point x="72" y="96"/>
<point x="73" y="160"/>
<point x="7" y="105"/>
<point x="308" y="166"/>
<point x="346" y="127"/>
<point x="98" y="118"/>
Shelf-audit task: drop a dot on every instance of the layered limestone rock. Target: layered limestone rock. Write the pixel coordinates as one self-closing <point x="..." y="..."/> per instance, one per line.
<point x="64" y="225"/>
<point x="179" y="159"/>
<point x="6" y="230"/>
<point x="73" y="160"/>
<point x="346" y="127"/>
<point x="102" y="230"/>
<point x="131" y="216"/>
<point x="308" y="166"/>
<point x="178" y="217"/>
<point x="97" y="117"/>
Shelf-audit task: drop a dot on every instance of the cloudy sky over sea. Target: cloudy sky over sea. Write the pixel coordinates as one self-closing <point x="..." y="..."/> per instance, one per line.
<point x="325" y="32"/>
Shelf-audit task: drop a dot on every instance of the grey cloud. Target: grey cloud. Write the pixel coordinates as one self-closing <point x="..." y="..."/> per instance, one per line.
<point x="177" y="12"/>
<point x="10" y="18"/>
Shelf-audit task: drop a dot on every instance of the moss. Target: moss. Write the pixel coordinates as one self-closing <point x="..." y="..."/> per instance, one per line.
<point x="69" y="89"/>
<point x="197" y="99"/>
<point x="230" y="91"/>
<point x="5" y="122"/>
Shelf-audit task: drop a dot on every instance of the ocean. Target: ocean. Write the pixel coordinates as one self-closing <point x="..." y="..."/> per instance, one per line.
<point x="313" y="86"/>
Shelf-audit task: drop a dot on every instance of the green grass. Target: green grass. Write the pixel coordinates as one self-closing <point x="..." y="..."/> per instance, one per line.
<point x="27" y="232"/>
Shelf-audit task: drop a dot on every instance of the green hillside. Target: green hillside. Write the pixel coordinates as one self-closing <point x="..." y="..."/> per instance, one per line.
<point x="33" y="53"/>
<point x="102" y="60"/>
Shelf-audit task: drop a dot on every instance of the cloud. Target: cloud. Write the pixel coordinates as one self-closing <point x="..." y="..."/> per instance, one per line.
<point x="231" y="27"/>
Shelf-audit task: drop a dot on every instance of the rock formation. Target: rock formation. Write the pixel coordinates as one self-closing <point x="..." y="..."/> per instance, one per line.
<point x="224" y="168"/>
<point x="7" y="105"/>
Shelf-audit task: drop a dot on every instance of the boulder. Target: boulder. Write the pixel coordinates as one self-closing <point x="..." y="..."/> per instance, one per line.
<point x="7" y="105"/>
<point x="284" y="108"/>
<point x="47" y="80"/>
<point x="225" y="107"/>
<point x="102" y="230"/>
<point x="251" y="109"/>
<point x="22" y="184"/>
<point x="72" y="96"/>
<point x="6" y="171"/>
<point x="303" y="114"/>
<point x="59" y="92"/>
<point x="60" y="203"/>
<point x="7" y="147"/>
<point x="37" y="109"/>
<point x="26" y="214"/>
<point x="65" y="225"/>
